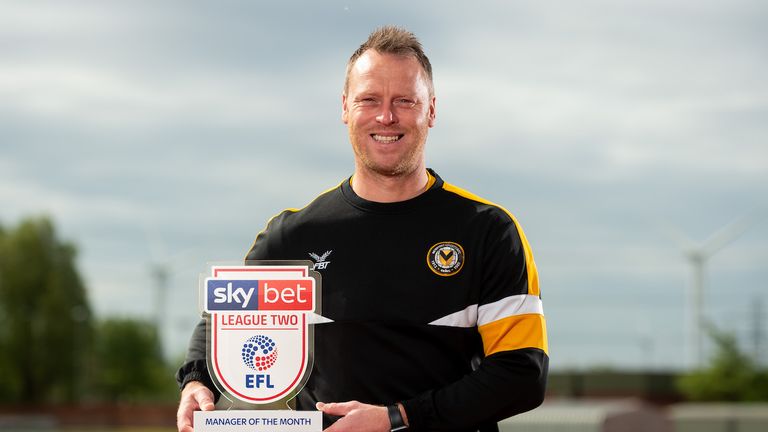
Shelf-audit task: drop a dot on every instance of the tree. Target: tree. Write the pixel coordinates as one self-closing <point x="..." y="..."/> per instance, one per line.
<point x="731" y="376"/>
<point x="129" y="363"/>
<point x="45" y="318"/>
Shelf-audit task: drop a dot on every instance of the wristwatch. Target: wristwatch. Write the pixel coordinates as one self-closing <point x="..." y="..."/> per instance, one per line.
<point x="396" y="422"/>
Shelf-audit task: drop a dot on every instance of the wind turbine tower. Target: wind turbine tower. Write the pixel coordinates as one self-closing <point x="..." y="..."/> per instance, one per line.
<point x="697" y="255"/>
<point x="161" y="275"/>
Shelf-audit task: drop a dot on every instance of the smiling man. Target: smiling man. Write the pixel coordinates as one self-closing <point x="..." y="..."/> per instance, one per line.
<point x="389" y="106"/>
<point x="431" y="293"/>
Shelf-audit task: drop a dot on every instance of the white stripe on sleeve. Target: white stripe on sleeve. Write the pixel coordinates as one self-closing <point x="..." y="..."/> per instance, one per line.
<point x="463" y="318"/>
<point x="521" y="304"/>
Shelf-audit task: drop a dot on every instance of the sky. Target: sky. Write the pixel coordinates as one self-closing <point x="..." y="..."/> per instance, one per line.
<point x="169" y="132"/>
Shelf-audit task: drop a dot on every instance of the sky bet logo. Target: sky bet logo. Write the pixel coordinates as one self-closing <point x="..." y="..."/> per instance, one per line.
<point x="258" y="295"/>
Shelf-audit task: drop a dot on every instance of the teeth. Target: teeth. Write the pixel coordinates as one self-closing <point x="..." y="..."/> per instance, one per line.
<point x="386" y="139"/>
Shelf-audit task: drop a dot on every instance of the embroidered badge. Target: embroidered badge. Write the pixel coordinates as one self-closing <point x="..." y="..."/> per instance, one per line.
<point x="445" y="258"/>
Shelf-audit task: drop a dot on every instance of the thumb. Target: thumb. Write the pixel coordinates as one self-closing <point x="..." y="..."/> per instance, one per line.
<point x="338" y="408"/>
<point x="204" y="399"/>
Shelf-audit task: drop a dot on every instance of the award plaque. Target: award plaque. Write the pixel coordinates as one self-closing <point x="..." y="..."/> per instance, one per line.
<point x="260" y="344"/>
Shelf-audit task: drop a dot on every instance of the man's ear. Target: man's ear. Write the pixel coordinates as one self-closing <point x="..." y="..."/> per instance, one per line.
<point x="344" y="110"/>
<point x="431" y="113"/>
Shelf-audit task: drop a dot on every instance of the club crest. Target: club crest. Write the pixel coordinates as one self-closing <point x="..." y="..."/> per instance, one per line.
<point x="445" y="258"/>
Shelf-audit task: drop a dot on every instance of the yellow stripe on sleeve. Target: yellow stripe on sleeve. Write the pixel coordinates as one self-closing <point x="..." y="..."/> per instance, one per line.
<point x="530" y="264"/>
<point x="515" y="332"/>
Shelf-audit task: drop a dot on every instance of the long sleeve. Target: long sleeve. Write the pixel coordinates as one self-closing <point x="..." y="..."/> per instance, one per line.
<point x="511" y="378"/>
<point x="505" y="384"/>
<point x="195" y="367"/>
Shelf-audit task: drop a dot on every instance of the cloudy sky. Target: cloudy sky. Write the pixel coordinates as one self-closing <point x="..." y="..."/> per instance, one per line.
<point x="169" y="132"/>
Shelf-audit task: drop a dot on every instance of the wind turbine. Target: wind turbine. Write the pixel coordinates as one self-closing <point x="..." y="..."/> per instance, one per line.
<point x="697" y="255"/>
<point x="162" y="267"/>
<point x="160" y="273"/>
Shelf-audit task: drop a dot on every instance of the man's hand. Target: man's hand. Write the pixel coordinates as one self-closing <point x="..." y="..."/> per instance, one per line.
<point x="357" y="417"/>
<point x="195" y="396"/>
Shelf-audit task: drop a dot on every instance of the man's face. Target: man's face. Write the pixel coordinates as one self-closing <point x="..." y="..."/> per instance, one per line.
<point x="388" y="111"/>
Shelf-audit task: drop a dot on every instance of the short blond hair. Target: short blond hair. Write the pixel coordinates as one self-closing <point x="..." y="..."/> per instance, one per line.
<point x="393" y="40"/>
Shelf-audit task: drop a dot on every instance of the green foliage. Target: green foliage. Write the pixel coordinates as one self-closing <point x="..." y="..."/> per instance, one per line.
<point x="45" y="319"/>
<point x="49" y="349"/>
<point x="731" y="376"/>
<point x="129" y="365"/>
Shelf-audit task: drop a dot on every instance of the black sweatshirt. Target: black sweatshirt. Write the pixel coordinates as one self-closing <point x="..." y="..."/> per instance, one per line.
<point x="435" y="304"/>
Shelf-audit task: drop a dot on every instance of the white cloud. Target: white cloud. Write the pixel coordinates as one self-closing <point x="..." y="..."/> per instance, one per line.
<point x="97" y="97"/>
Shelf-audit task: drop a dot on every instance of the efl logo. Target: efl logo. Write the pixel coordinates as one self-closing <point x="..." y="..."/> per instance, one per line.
<point x="238" y="295"/>
<point x="259" y="353"/>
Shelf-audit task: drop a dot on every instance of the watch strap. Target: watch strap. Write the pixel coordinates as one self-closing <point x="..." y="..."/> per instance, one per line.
<point x="396" y="422"/>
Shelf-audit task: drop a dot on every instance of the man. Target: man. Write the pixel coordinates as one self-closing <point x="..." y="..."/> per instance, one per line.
<point x="432" y="292"/>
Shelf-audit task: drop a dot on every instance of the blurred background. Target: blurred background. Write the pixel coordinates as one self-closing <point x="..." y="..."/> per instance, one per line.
<point x="140" y="140"/>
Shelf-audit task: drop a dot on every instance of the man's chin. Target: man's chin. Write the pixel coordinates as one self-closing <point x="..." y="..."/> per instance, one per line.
<point x="392" y="171"/>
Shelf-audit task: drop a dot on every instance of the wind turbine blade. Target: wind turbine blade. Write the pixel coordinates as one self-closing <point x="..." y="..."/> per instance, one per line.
<point x="727" y="234"/>
<point x="676" y="236"/>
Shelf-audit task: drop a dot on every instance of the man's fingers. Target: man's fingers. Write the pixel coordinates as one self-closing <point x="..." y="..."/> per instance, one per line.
<point x="184" y="418"/>
<point x="356" y="417"/>
<point x="199" y="399"/>
<point x="194" y="396"/>
<point x="185" y="427"/>
<point x="337" y="408"/>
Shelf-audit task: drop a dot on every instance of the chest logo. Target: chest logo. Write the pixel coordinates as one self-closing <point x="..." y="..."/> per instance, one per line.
<point x="445" y="258"/>
<point x="321" y="261"/>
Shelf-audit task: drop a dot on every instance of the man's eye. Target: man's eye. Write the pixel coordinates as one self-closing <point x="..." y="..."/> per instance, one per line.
<point x="404" y="103"/>
<point x="367" y="102"/>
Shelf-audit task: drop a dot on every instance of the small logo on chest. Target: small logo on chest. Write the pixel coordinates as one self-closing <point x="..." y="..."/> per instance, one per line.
<point x="321" y="261"/>
<point x="445" y="258"/>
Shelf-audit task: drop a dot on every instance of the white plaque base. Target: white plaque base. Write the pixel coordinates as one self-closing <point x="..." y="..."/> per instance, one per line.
<point x="258" y="421"/>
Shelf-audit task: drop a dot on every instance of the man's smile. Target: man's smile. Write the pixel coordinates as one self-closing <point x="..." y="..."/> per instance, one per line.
<point x="386" y="138"/>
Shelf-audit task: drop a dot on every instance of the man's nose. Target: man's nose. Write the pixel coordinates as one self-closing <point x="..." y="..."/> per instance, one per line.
<point x="387" y="115"/>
